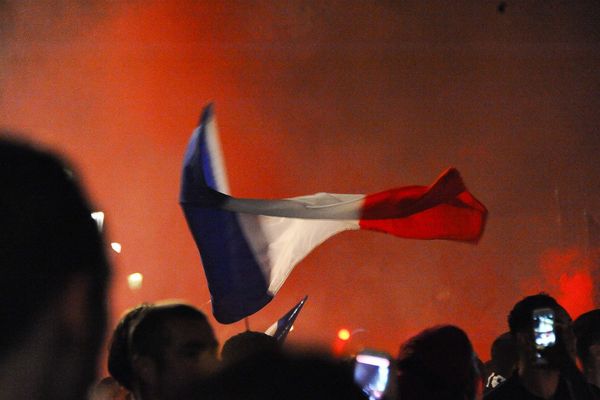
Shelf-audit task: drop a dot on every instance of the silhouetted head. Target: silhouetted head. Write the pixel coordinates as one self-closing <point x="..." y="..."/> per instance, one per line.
<point x="275" y="375"/>
<point x="587" y="332"/>
<point x="53" y="267"/>
<point x="504" y="355"/>
<point x="246" y="344"/>
<point x="521" y="325"/>
<point x="162" y="349"/>
<point x="438" y="363"/>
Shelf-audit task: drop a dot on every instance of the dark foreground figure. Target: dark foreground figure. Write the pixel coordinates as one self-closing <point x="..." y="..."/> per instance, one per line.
<point x="587" y="331"/>
<point x="53" y="279"/>
<point x="275" y="375"/>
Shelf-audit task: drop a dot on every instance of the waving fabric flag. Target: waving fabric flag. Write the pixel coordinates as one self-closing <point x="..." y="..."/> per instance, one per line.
<point x="280" y="329"/>
<point x="250" y="246"/>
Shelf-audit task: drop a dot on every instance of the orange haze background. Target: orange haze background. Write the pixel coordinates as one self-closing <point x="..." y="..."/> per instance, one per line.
<point x="338" y="96"/>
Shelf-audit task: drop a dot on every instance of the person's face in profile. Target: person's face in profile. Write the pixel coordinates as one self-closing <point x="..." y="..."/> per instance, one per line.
<point x="190" y="355"/>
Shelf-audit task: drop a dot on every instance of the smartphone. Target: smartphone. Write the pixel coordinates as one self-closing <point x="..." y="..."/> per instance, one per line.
<point x="372" y="373"/>
<point x="543" y="329"/>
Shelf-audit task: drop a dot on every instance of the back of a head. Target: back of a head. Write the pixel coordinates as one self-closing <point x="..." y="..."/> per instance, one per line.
<point x="279" y="375"/>
<point x="504" y="354"/>
<point x="587" y="332"/>
<point x="437" y="363"/>
<point x="54" y="277"/>
<point x="48" y="240"/>
<point x="246" y="344"/>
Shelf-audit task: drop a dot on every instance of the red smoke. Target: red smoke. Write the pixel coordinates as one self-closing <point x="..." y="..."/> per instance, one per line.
<point x="565" y="274"/>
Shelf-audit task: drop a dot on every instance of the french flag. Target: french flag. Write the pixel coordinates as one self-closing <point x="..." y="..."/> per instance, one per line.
<point x="250" y="246"/>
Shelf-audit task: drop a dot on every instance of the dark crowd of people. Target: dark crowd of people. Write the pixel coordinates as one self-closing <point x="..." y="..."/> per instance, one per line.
<point x="53" y="313"/>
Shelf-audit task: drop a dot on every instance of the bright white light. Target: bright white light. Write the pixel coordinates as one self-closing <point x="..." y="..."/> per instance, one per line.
<point x="135" y="281"/>
<point x="116" y="247"/>
<point x="373" y="360"/>
<point x="98" y="216"/>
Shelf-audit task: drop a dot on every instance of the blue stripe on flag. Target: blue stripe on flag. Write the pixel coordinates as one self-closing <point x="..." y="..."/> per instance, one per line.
<point x="235" y="280"/>
<point x="236" y="283"/>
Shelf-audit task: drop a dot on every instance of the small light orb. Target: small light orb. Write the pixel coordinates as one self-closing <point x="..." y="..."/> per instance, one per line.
<point x="344" y="334"/>
<point x="98" y="216"/>
<point x="135" y="281"/>
<point x="116" y="247"/>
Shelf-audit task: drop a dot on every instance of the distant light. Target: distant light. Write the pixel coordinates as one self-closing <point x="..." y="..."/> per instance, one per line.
<point x="344" y="334"/>
<point x="116" y="247"/>
<point x="98" y="216"/>
<point x="135" y="281"/>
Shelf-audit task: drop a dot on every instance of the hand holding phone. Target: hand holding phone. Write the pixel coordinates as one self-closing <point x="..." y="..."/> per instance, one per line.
<point x="544" y="332"/>
<point x="372" y="372"/>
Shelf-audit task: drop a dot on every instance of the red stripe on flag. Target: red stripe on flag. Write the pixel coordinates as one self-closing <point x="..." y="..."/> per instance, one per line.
<point x="444" y="210"/>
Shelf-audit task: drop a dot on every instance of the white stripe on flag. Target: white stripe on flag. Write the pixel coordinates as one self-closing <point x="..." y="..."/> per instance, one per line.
<point x="316" y="206"/>
<point x="280" y="243"/>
